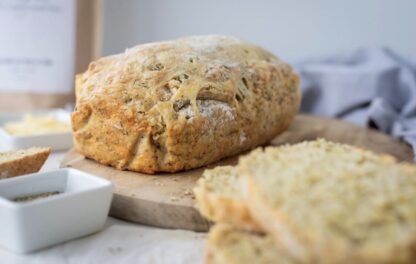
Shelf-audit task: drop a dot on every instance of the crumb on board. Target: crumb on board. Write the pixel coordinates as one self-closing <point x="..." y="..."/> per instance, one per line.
<point x="188" y="192"/>
<point x="180" y="195"/>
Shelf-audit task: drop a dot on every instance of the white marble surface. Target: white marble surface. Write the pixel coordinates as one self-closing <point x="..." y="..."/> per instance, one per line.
<point x="118" y="242"/>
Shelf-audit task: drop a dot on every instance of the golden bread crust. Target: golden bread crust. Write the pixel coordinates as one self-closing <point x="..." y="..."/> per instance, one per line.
<point x="178" y="105"/>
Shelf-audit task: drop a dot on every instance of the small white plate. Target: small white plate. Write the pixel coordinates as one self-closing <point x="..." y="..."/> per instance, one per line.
<point x="80" y="209"/>
<point x="57" y="141"/>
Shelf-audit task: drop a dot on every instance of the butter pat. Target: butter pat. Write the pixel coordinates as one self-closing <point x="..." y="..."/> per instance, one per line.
<point x="36" y="125"/>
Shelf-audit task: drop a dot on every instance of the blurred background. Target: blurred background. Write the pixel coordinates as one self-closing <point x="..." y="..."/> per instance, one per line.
<point x="294" y="30"/>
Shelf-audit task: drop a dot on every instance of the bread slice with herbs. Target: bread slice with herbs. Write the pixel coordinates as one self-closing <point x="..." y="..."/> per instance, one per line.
<point x="219" y="199"/>
<point x="19" y="162"/>
<point x="332" y="203"/>
<point x="229" y="245"/>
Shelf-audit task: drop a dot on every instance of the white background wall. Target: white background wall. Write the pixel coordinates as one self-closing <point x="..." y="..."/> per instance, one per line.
<point x="292" y="29"/>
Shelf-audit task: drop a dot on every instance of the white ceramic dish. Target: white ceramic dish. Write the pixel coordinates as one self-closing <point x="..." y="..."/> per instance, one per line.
<point x="57" y="141"/>
<point x="80" y="209"/>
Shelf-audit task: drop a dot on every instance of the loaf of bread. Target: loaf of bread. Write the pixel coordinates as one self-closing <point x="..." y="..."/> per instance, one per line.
<point x="229" y="245"/>
<point x="332" y="203"/>
<point x="19" y="162"/>
<point x="177" y="105"/>
<point x="219" y="199"/>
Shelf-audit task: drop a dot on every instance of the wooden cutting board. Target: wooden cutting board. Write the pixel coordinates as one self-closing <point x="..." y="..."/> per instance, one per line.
<point x="166" y="200"/>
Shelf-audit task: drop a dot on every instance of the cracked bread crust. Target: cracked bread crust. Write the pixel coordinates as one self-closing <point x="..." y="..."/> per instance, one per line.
<point x="177" y="105"/>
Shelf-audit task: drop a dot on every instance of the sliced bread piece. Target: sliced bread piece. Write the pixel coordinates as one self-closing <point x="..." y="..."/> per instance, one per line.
<point x="333" y="203"/>
<point x="218" y="198"/>
<point x="19" y="162"/>
<point x="229" y="245"/>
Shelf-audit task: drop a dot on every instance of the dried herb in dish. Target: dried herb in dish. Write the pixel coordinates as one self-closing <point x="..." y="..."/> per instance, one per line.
<point x="34" y="197"/>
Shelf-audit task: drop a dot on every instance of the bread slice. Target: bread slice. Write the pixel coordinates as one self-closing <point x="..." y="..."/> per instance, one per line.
<point x="229" y="245"/>
<point x="332" y="203"/>
<point x="19" y="162"/>
<point x="218" y="198"/>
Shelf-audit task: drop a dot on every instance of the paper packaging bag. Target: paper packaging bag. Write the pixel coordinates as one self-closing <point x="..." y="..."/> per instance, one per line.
<point x="42" y="45"/>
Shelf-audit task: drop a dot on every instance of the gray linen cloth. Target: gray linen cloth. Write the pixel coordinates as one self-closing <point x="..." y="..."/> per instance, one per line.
<point x="371" y="87"/>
